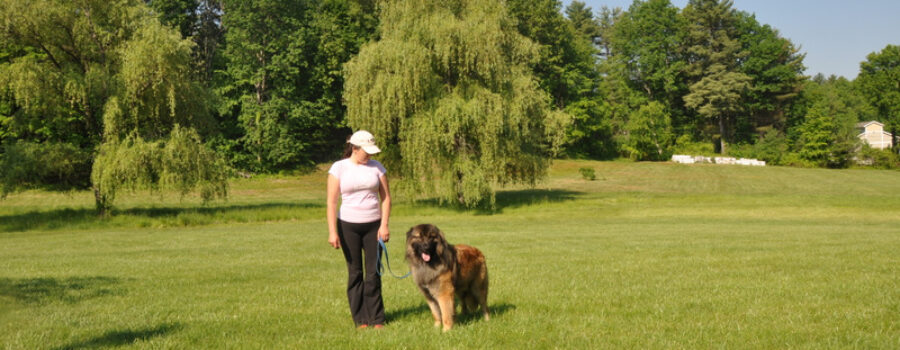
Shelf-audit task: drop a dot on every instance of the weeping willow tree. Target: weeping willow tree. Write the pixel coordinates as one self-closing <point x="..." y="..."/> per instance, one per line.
<point x="449" y="92"/>
<point x="150" y="125"/>
<point x="106" y="78"/>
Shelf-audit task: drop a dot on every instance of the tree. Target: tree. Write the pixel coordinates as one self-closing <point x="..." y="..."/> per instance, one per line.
<point x="590" y="134"/>
<point x="776" y="68"/>
<point x="200" y="20"/>
<point x="879" y="82"/>
<point x="106" y="79"/>
<point x="714" y="58"/>
<point x="827" y="136"/>
<point x="606" y="20"/>
<point x="283" y="80"/>
<point x="209" y="35"/>
<point x="649" y="133"/>
<point x="180" y="14"/>
<point x="582" y="19"/>
<point x="566" y="67"/>
<point x="647" y="43"/>
<point x="448" y="91"/>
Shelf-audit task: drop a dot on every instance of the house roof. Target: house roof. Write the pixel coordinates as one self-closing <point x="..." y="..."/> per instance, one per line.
<point x="865" y="124"/>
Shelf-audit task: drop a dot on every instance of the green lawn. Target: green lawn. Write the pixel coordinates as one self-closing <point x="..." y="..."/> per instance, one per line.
<point x="650" y="255"/>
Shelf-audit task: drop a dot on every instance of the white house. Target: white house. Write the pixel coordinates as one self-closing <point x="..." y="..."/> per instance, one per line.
<point x="873" y="133"/>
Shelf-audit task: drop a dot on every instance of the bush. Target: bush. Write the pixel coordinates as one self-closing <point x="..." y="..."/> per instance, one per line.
<point x="685" y="144"/>
<point x="877" y="158"/>
<point x="60" y="166"/>
<point x="588" y="173"/>
<point x="771" y="147"/>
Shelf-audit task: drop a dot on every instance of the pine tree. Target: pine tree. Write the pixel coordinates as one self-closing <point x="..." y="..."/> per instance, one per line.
<point x="714" y="57"/>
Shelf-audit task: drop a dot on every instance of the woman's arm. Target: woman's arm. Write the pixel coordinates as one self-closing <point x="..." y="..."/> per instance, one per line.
<point x="384" y="192"/>
<point x="334" y="190"/>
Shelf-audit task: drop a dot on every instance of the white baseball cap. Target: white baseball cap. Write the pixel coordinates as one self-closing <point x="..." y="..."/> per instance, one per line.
<point x="365" y="140"/>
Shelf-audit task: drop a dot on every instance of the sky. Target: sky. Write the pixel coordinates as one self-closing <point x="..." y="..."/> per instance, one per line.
<point x="836" y="35"/>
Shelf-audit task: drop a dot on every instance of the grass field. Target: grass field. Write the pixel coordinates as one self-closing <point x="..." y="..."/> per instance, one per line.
<point x="648" y="256"/>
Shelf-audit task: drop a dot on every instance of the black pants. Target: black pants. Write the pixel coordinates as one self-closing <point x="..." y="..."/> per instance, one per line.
<point x="364" y="294"/>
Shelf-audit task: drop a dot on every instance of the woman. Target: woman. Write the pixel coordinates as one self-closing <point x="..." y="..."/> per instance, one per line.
<point x="361" y="184"/>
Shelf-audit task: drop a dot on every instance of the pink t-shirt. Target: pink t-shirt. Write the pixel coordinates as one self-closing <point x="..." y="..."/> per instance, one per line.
<point x="359" y="189"/>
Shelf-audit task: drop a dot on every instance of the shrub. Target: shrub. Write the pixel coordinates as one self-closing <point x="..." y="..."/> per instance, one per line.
<point x="878" y="158"/>
<point x="685" y="144"/>
<point x="33" y="165"/>
<point x="588" y="173"/>
<point x="771" y="147"/>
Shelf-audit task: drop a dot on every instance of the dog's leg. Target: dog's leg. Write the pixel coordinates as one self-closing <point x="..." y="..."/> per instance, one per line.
<point x="445" y="301"/>
<point x="481" y="292"/>
<point x="482" y="299"/>
<point x="433" y="305"/>
<point x="469" y="303"/>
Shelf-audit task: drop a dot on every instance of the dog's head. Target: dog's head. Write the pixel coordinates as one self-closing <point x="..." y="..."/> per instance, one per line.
<point x="425" y="243"/>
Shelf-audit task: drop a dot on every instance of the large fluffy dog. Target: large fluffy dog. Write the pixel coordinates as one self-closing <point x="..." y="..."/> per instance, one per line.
<point x="442" y="270"/>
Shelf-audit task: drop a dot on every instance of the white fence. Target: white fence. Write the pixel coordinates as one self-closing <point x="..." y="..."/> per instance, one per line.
<point x="686" y="159"/>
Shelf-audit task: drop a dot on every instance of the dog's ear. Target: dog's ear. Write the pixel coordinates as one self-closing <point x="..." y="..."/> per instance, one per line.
<point x="438" y="236"/>
<point x="438" y="233"/>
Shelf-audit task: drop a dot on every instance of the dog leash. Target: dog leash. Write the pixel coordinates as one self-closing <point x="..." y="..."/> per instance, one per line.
<point x="380" y="268"/>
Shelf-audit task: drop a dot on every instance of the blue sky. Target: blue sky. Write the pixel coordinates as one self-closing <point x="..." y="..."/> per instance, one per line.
<point x="836" y="35"/>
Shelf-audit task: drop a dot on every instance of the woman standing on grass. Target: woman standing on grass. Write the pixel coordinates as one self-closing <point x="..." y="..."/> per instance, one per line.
<point x="365" y="209"/>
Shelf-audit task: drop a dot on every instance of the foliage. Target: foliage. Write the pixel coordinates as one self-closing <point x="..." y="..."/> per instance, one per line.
<point x="180" y="14"/>
<point x="283" y="81"/>
<point x="582" y="18"/>
<point x="449" y="92"/>
<point x="878" y="158"/>
<point x="772" y="147"/>
<point x="715" y="55"/>
<point x="97" y="78"/>
<point x="157" y="90"/>
<point x="62" y="67"/>
<point x="685" y="144"/>
<point x="25" y="164"/>
<point x="590" y="134"/>
<point x="649" y="133"/>
<point x="566" y="69"/>
<point x="587" y="173"/>
<point x="201" y="21"/>
<point x="826" y="138"/>
<point x="647" y="42"/>
<point x="879" y="82"/>
<point x="776" y="68"/>
<point x="179" y="162"/>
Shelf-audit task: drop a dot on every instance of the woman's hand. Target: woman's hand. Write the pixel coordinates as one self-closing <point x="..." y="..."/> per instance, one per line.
<point x="334" y="240"/>
<point x="384" y="234"/>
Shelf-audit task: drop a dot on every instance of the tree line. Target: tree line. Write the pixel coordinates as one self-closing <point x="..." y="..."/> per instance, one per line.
<point x="179" y="94"/>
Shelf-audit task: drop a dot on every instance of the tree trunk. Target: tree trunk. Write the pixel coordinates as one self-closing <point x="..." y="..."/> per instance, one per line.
<point x="721" y="135"/>
<point x="102" y="203"/>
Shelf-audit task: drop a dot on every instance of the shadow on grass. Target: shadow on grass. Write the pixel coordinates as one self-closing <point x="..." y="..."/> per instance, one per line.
<point x="510" y="200"/>
<point x="68" y="217"/>
<point x="396" y="315"/>
<point x="48" y="290"/>
<point x="118" y="338"/>
<point x="496" y="310"/>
